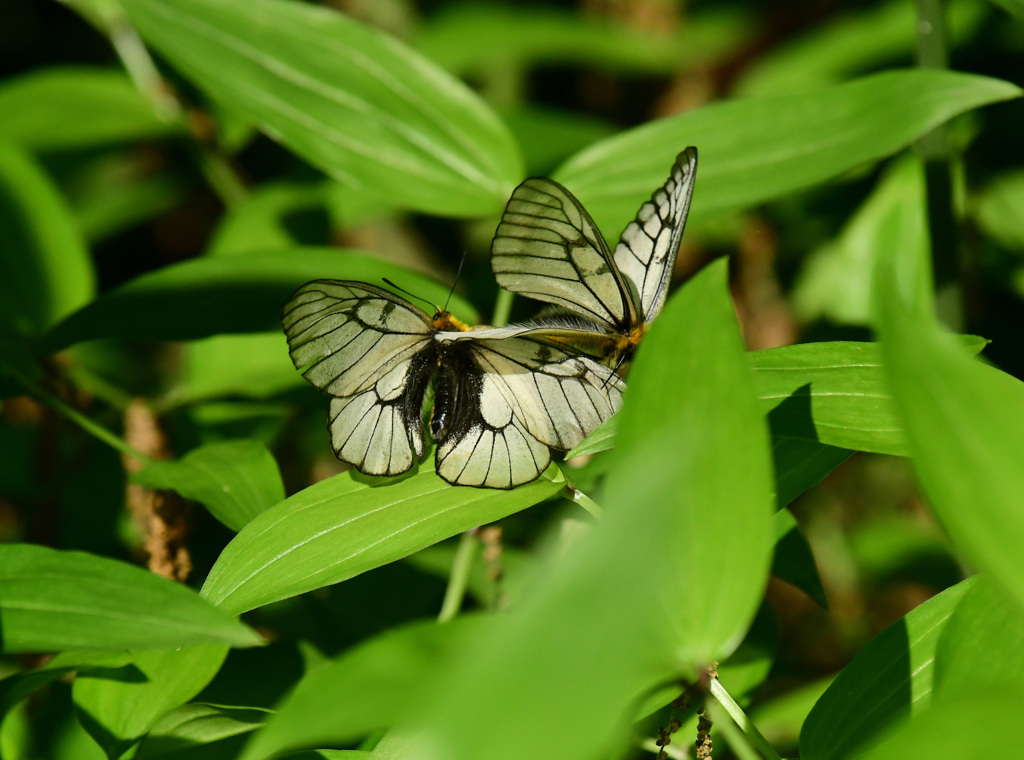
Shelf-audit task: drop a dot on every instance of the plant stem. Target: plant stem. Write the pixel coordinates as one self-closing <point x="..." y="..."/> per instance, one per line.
<point x="736" y="740"/>
<point x="465" y="555"/>
<point x="573" y="494"/>
<point x="502" y="309"/>
<point x="94" y="429"/>
<point x="736" y="713"/>
<point x="932" y="53"/>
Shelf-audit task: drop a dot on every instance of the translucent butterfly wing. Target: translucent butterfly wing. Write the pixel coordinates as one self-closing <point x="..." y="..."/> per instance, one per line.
<point x="522" y="397"/>
<point x="373" y="352"/>
<point x="547" y="247"/>
<point x="646" y="252"/>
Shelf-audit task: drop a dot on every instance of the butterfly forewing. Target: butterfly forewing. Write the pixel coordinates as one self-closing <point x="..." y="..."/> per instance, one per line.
<point x="547" y="247"/>
<point x="646" y="252"/>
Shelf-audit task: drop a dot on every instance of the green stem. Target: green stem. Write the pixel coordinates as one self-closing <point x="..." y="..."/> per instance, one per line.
<point x="502" y="309"/>
<point x="573" y="494"/>
<point x="934" y="148"/>
<point x="740" y="718"/>
<point x="736" y="740"/>
<point x="94" y="429"/>
<point x="458" y="581"/>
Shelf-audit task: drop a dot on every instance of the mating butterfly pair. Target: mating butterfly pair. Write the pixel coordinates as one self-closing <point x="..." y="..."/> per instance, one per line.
<point x="503" y="396"/>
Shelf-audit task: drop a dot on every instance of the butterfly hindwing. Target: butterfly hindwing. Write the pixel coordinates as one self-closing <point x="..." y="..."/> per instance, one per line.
<point x="372" y="351"/>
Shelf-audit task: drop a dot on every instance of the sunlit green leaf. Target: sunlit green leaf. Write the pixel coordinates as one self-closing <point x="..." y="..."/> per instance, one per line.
<point x="963" y="420"/>
<point x="986" y="627"/>
<point x="889" y="679"/>
<point x="16" y="687"/>
<point x="235" y="480"/>
<point x="643" y="593"/>
<point x="757" y="149"/>
<point x="196" y="725"/>
<point x="254" y="366"/>
<point x="342" y="526"/>
<point x="370" y="687"/>
<point x="74" y="107"/>
<point x="1000" y="210"/>
<point x="208" y="296"/>
<point x="117" y="707"/>
<point x="349" y="99"/>
<point x="53" y="600"/>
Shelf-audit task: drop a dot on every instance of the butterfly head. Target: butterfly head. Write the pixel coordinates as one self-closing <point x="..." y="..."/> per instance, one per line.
<point x="444" y="322"/>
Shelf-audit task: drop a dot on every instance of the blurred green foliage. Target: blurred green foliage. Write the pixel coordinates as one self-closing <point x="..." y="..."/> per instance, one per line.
<point x="170" y="170"/>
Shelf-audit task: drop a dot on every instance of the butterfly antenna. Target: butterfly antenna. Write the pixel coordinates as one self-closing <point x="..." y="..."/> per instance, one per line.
<point x="411" y="295"/>
<point x="615" y="369"/>
<point x="458" y="274"/>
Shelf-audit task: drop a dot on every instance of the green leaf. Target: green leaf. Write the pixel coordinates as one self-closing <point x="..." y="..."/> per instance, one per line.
<point x="1000" y="209"/>
<point x="835" y="280"/>
<point x="986" y="627"/>
<point x="964" y="424"/>
<point x="203" y="297"/>
<point x="473" y="38"/>
<point x="601" y="439"/>
<point x="755" y="150"/>
<point x="851" y="41"/>
<point x="793" y="560"/>
<point x="347" y="98"/>
<point x="197" y="725"/>
<point x="235" y="480"/>
<point x="642" y="596"/>
<point x="45" y="271"/>
<point x="1016" y="7"/>
<point x="889" y="680"/>
<point x="76" y="107"/>
<point x="341" y="527"/>
<point x="52" y="600"/>
<point x="16" y="687"/>
<point x="118" y="707"/>
<point x="978" y="724"/>
<point x="800" y="463"/>
<point x="253" y="366"/>
<point x="372" y="686"/>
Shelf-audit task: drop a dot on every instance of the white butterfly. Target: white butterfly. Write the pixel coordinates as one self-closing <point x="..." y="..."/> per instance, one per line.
<point x="500" y="401"/>
<point x="547" y="247"/>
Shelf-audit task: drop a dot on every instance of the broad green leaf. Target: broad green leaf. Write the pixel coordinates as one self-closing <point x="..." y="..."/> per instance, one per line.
<point x="271" y="216"/>
<point x="975" y="724"/>
<point x="347" y="98"/>
<point x="470" y="38"/>
<point x="835" y="280"/>
<point x="341" y="527"/>
<point x="964" y="425"/>
<point x="235" y="480"/>
<point x="254" y="366"/>
<point x="758" y="149"/>
<point x="1000" y="210"/>
<point x="75" y="107"/>
<point x="779" y="719"/>
<point x="45" y="271"/>
<point x="642" y="594"/>
<point x="17" y="686"/>
<point x="372" y="686"/>
<point x="793" y="560"/>
<point x="203" y="297"/>
<point x="816" y="395"/>
<point x="549" y="136"/>
<point x="119" y="707"/>
<point x="850" y="42"/>
<point x="986" y="628"/>
<point x="197" y="725"/>
<point x="52" y="600"/>
<point x="889" y="680"/>
<point x="800" y="463"/>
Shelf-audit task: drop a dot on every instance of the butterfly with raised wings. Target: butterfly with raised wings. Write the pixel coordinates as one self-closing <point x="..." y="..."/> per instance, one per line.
<point x="547" y="247"/>
<point x="500" y="401"/>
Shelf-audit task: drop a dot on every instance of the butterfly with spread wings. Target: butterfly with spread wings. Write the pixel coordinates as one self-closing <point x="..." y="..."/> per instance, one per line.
<point x="547" y="247"/>
<point x="499" y="403"/>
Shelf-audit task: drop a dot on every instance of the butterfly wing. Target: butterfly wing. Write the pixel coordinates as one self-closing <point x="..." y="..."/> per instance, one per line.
<point x="373" y="352"/>
<point x="646" y="252"/>
<point x="547" y="247"/>
<point x="517" y="397"/>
